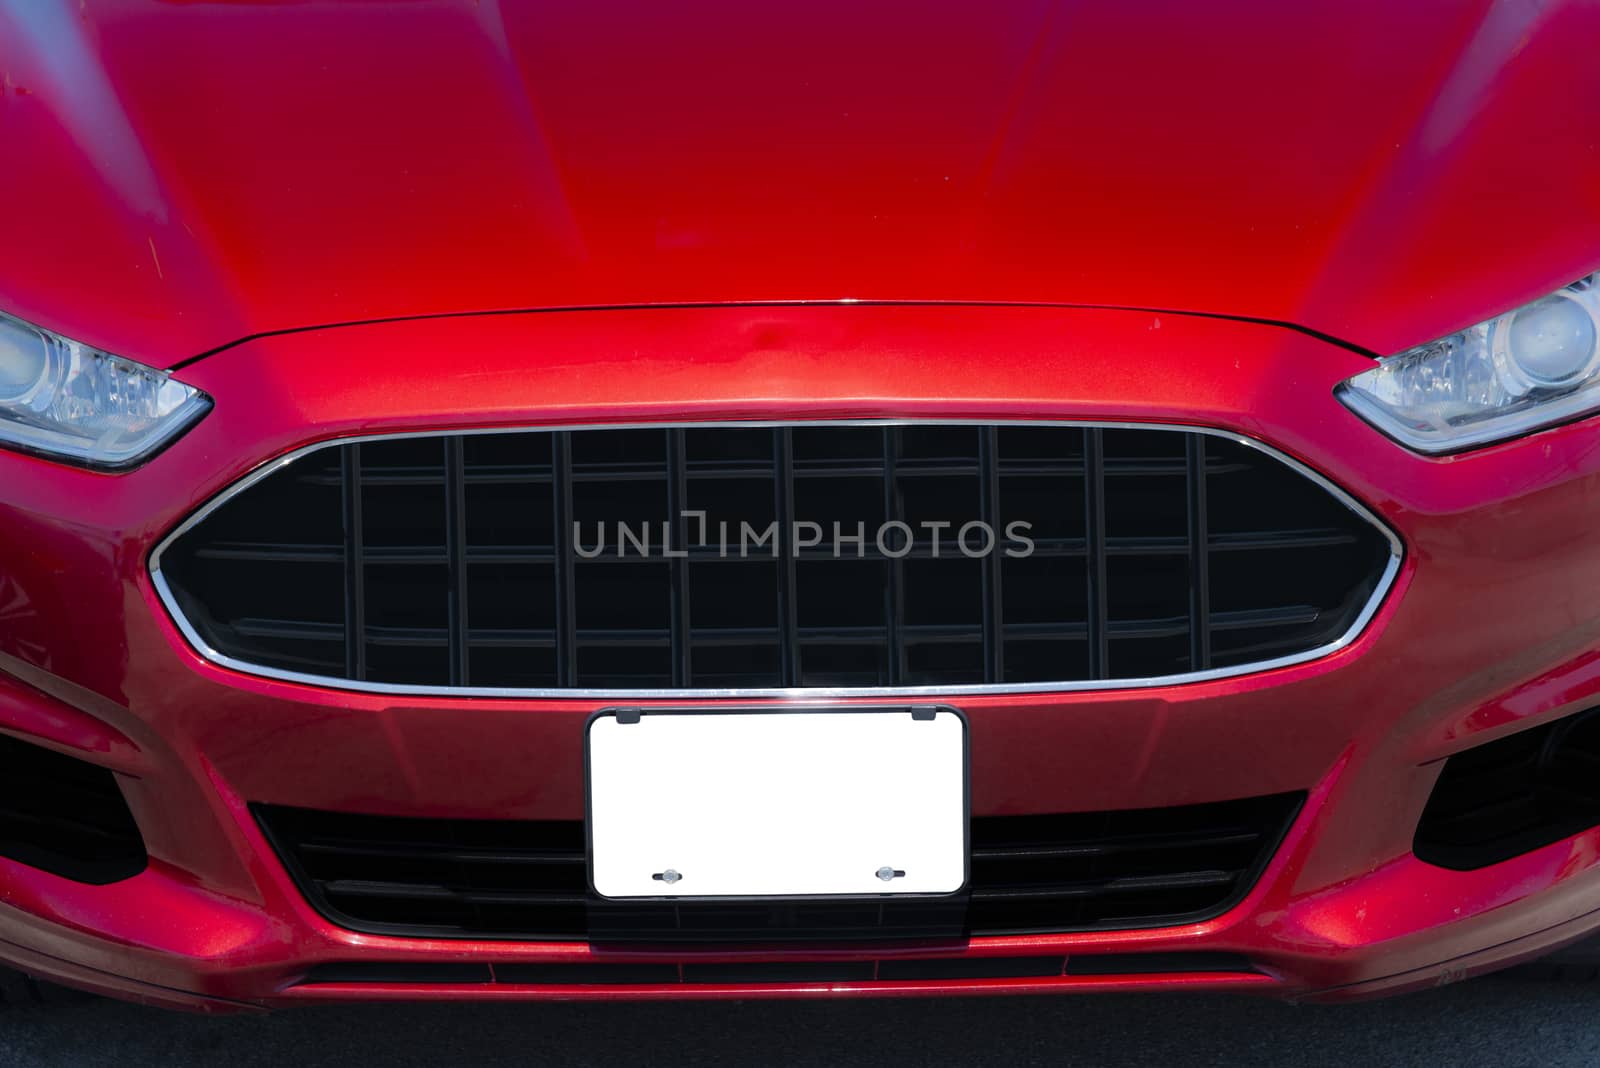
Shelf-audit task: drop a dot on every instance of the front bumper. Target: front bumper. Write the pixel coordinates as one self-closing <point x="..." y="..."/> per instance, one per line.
<point x="1492" y="626"/>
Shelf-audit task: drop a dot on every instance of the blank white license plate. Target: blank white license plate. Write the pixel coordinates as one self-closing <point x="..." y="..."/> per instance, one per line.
<point x="761" y="804"/>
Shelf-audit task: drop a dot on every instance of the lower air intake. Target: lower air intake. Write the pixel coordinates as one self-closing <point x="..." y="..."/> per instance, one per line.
<point x="65" y="816"/>
<point x="528" y="880"/>
<point x="675" y="973"/>
<point x="1514" y="795"/>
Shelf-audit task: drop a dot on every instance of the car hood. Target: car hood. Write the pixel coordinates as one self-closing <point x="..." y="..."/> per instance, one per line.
<point x="180" y="175"/>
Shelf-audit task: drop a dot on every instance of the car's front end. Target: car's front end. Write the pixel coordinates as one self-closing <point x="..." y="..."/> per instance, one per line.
<point x="1274" y="664"/>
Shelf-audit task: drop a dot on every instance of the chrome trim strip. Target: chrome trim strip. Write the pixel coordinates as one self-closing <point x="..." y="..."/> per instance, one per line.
<point x="1370" y="609"/>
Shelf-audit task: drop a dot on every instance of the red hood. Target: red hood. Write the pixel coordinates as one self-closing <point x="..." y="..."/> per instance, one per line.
<point x="178" y="175"/>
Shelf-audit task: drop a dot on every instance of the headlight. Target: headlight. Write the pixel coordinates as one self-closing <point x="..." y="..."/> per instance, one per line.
<point x="71" y="402"/>
<point x="1526" y="369"/>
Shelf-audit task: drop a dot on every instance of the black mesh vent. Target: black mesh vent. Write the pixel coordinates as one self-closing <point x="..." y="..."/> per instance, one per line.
<point x="518" y="879"/>
<point x="465" y="560"/>
<point x="65" y="816"/>
<point x="672" y="973"/>
<point x="1515" y="795"/>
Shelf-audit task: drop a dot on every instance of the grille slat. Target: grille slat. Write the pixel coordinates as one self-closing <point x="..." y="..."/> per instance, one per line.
<point x="677" y="501"/>
<point x="1095" y="537"/>
<point x="783" y="504"/>
<point x="1152" y="844"/>
<point x="542" y="554"/>
<point x="894" y="585"/>
<point x="734" y="636"/>
<point x="455" y="541"/>
<point x="566" y="647"/>
<point x="496" y="561"/>
<point x="353" y="553"/>
<point x="1148" y="884"/>
<point x="1198" y="544"/>
<point x="994" y="627"/>
<point x="1173" y="626"/>
<point x="541" y="475"/>
<point x="389" y="891"/>
<point x="439" y="853"/>
<point x="675" y="973"/>
<point x="518" y="879"/>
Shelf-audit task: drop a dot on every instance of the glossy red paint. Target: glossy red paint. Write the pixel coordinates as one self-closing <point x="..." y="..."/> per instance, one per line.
<point x="1492" y="626"/>
<point x="182" y="175"/>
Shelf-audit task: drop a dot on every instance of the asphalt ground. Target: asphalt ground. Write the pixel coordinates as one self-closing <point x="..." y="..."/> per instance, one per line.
<point x="1492" y="1021"/>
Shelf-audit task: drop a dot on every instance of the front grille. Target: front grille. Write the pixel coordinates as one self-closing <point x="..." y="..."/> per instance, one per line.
<point x="1514" y="795"/>
<point x="65" y="816"/>
<point x="470" y="560"/>
<point x="528" y="879"/>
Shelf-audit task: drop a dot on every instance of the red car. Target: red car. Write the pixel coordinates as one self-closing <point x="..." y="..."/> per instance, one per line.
<point x="627" y="500"/>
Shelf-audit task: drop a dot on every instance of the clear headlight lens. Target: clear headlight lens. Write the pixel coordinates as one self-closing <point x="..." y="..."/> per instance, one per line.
<point x="1523" y="370"/>
<point x="69" y="401"/>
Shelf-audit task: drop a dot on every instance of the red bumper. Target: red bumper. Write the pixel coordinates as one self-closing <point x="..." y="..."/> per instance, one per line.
<point x="1491" y="627"/>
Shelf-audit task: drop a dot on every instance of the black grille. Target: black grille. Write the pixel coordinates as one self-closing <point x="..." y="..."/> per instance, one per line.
<point x="464" y="560"/>
<point x="1514" y="795"/>
<point x="524" y="879"/>
<point x="672" y="973"/>
<point x="65" y="816"/>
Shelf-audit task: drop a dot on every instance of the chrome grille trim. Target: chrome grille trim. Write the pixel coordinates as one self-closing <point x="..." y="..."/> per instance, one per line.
<point x="1380" y="591"/>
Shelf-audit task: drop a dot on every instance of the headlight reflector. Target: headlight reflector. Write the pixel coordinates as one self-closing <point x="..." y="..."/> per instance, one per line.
<point x="1529" y="368"/>
<point x="24" y="362"/>
<point x="72" y="402"/>
<point x="1550" y="342"/>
